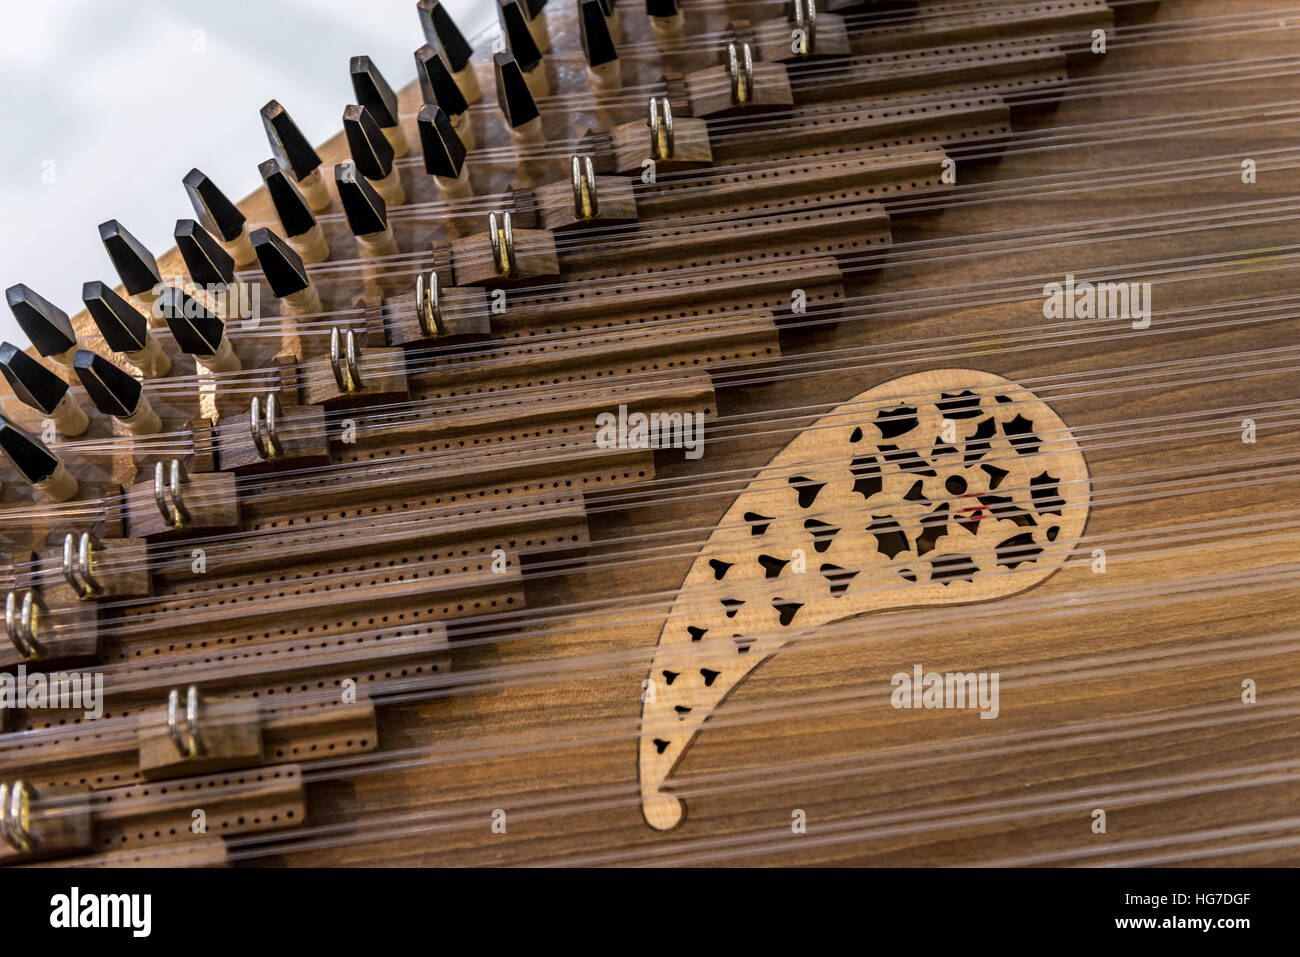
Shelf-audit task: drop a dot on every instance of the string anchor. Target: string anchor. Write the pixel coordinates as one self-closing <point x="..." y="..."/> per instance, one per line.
<point x="662" y="140"/>
<point x="15" y="815"/>
<point x="184" y="732"/>
<point x="502" y="235"/>
<point x="428" y="305"/>
<point x="805" y="21"/>
<point x="22" y="618"/>
<point x="740" y="67"/>
<point x="264" y="427"/>
<point x="586" y="205"/>
<point x="343" y="360"/>
<point x="78" y="555"/>
<point x="169" y="481"/>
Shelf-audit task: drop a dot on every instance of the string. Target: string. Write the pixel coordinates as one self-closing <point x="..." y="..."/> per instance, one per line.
<point x="631" y="664"/>
<point x="745" y="432"/>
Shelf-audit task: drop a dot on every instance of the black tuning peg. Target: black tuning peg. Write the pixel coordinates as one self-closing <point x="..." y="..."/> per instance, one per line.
<point x="537" y="23"/>
<point x="520" y="42"/>
<point x="285" y="273"/>
<point x="47" y="326"/>
<point x="38" y="388"/>
<point x="366" y="212"/>
<point x="125" y="329"/>
<point x="515" y="99"/>
<point x="295" y="154"/>
<point x="372" y="154"/>
<point x="373" y="92"/>
<point x="37" y="464"/>
<point x="444" y="153"/>
<point x="296" y="218"/>
<point x="213" y="269"/>
<point x="437" y="87"/>
<point x="220" y="217"/>
<point x="135" y="265"/>
<point x="208" y="264"/>
<point x="441" y="33"/>
<point x="197" y="330"/>
<point x="116" y="393"/>
<point x="666" y="19"/>
<point x="598" y="43"/>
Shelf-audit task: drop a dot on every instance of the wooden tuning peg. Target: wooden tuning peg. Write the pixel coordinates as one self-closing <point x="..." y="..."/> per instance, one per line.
<point x="297" y="220"/>
<point x="220" y="217"/>
<point x="36" y="463"/>
<point x="373" y="92"/>
<point x="295" y="154"/>
<point x="38" y="388"/>
<point x="439" y="88"/>
<point x="198" y="331"/>
<point x="441" y="33"/>
<point x="116" y="393"/>
<point x="444" y="151"/>
<point x="372" y="154"/>
<point x="125" y="329"/>
<point x="366" y="212"/>
<point x="47" y="326"/>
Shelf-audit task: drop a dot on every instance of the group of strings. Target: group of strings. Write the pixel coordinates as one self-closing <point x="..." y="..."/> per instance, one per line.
<point x="680" y="545"/>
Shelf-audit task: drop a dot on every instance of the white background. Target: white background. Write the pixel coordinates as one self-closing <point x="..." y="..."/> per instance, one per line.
<point x="123" y="98"/>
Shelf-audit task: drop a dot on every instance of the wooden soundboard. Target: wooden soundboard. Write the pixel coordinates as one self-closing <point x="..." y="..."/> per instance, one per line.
<point x="440" y="620"/>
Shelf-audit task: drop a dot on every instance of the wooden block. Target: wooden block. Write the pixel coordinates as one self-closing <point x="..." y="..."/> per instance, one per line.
<point x="710" y="91"/>
<point x="535" y="258"/>
<point x="68" y="632"/>
<point x="674" y="87"/>
<point x="321" y="728"/>
<point x="210" y="498"/>
<point x="286" y="375"/>
<point x="691" y="148"/>
<point x="583" y="469"/>
<point x="598" y="144"/>
<point x="777" y="40"/>
<point x="844" y="231"/>
<point x="370" y="308"/>
<point x="614" y="200"/>
<point x="686" y="391"/>
<point x="234" y="802"/>
<point x="294" y="728"/>
<point x="204" y="437"/>
<point x="523" y="210"/>
<point x="197" y="851"/>
<point x="230" y="736"/>
<point x="120" y="566"/>
<point x="825" y="128"/>
<point x="464" y="313"/>
<point x="301" y="431"/>
<point x="258" y="667"/>
<point x="18" y="566"/>
<point x="382" y="372"/>
<point x="1024" y="69"/>
<point x="60" y="831"/>
<point x="762" y="287"/>
<point x="321" y="603"/>
<point x="113" y="525"/>
<point x="1069" y="23"/>
<point x="546" y="520"/>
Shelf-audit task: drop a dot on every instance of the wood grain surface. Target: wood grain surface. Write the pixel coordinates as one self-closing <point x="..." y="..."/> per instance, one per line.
<point x="1121" y="682"/>
<point x="1079" y="688"/>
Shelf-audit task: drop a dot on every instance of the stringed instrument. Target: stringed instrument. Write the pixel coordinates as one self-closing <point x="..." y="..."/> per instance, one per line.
<point x="703" y="432"/>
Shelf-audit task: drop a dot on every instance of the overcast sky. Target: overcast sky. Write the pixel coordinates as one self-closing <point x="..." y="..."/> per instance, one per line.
<point x="108" y="105"/>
